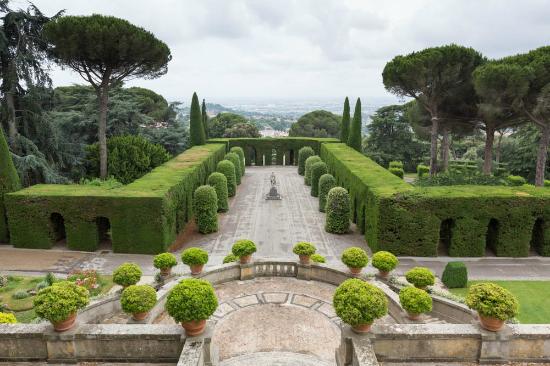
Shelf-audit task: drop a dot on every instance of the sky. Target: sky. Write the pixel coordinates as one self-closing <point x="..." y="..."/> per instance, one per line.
<point x="307" y="49"/>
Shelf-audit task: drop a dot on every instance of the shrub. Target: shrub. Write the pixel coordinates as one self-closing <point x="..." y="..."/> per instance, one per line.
<point x="422" y="170"/>
<point x="398" y="172"/>
<point x="40" y="285"/>
<point x="420" y="277"/>
<point x="56" y="302"/>
<point x="318" y="258"/>
<point x="230" y="258"/>
<point x="240" y="152"/>
<point x="6" y="318"/>
<point x="317" y="170"/>
<point x="455" y="275"/>
<point x="228" y="169"/>
<point x="396" y="164"/>
<point x="355" y="257"/>
<point x="547" y="182"/>
<point x="243" y="248"/>
<point x="415" y="300"/>
<point x="234" y="158"/>
<point x="384" y="261"/>
<point x="206" y="209"/>
<point x="326" y="183"/>
<point x="493" y="301"/>
<point x="357" y="302"/>
<point x="515" y="180"/>
<point x="127" y="274"/>
<point x="338" y="211"/>
<point x="50" y="278"/>
<point x="138" y="299"/>
<point x="194" y="256"/>
<point x="164" y="261"/>
<point x="304" y="153"/>
<point x="191" y="300"/>
<point x="219" y="182"/>
<point x="3" y="281"/>
<point x="20" y="294"/>
<point x="304" y="248"/>
<point x="309" y="163"/>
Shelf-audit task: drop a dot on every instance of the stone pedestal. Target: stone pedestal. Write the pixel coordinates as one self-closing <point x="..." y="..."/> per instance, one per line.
<point x="304" y="272"/>
<point x="495" y="346"/>
<point x="247" y="271"/>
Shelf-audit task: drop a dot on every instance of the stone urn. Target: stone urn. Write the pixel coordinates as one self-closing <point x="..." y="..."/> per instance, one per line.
<point x="194" y="327"/>
<point x="490" y="323"/>
<point x="66" y="324"/>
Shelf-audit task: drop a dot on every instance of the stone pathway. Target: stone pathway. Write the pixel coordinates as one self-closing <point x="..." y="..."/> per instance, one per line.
<point x="275" y="359"/>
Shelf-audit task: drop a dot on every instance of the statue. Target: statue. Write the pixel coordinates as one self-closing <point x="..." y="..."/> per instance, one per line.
<point x="273" y="194"/>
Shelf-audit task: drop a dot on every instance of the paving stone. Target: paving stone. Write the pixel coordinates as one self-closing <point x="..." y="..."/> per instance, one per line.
<point x="275" y="297"/>
<point x="327" y="309"/>
<point x="304" y="300"/>
<point x="246" y="300"/>
<point x="223" y="309"/>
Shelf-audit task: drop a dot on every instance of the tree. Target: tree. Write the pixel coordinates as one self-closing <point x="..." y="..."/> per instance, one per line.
<point x="105" y="51"/>
<point x="316" y="124"/>
<point x="9" y="182"/>
<point x="224" y="121"/>
<point x="344" y="131"/>
<point x="354" y="139"/>
<point x="196" y="127"/>
<point x="431" y="76"/>
<point x="242" y="130"/>
<point x="204" y="119"/>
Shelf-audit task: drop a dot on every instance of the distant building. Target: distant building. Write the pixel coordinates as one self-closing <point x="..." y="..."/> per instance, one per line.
<point x="270" y="132"/>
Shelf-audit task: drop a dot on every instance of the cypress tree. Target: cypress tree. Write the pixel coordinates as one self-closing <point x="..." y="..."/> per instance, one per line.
<point x="344" y="129"/>
<point x="354" y="139"/>
<point x="204" y="119"/>
<point x="196" y="126"/>
<point x="9" y="182"/>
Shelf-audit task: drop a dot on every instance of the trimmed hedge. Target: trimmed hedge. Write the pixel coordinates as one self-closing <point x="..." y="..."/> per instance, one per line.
<point x="397" y="171"/>
<point x="9" y="182"/>
<point x="240" y="152"/>
<point x="309" y="164"/>
<point x="304" y="153"/>
<point x="326" y="183"/>
<point x="515" y="180"/>
<point x="227" y="168"/>
<point x="219" y="182"/>
<point x="338" y="211"/>
<point x="422" y="170"/>
<point x="317" y="170"/>
<point x="206" y="209"/>
<point x="455" y="275"/>
<point x="396" y="164"/>
<point x="234" y="158"/>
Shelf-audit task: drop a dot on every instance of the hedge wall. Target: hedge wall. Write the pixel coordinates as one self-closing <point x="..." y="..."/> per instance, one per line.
<point x="145" y="216"/>
<point x="9" y="182"/>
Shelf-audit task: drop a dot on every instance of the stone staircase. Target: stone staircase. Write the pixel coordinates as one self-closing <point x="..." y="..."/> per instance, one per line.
<point x="275" y="359"/>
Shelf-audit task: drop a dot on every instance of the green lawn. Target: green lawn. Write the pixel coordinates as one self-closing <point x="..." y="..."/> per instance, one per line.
<point x="533" y="296"/>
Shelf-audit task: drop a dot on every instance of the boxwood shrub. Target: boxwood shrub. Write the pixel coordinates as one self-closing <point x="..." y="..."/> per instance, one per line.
<point x="138" y="299"/>
<point x="227" y="168"/>
<point x="304" y="153"/>
<point x="56" y="302"/>
<point x="234" y="158"/>
<point x="206" y="209"/>
<point x="420" y="277"/>
<point x="164" y="261"/>
<point x="384" y="261"/>
<point x="219" y="182"/>
<point x="355" y="257"/>
<point x="415" y="300"/>
<point x="194" y="256"/>
<point x="455" y="275"/>
<point x="243" y="248"/>
<point x="240" y="152"/>
<point x="230" y="258"/>
<point x="191" y="300"/>
<point x="304" y="248"/>
<point x="515" y="180"/>
<point x="127" y="274"/>
<point x="309" y="163"/>
<point x="317" y="170"/>
<point x="493" y="301"/>
<point x="338" y="211"/>
<point x="326" y="183"/>
<point x="6" y="318"/>
<point x="357" y="302"/>
<point x="318" y="258"/>
<point x="396" y="164"/>
<point x="398" y="172"/>
<point x="422" y="170"/>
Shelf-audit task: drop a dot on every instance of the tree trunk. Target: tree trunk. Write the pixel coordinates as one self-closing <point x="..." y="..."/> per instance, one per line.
<point x="433" y="147"/>
<point x="542" y="155"/>
<point x="499" y="142"/>
<point x="445" y="143"/>
<point x="488" y="152"/>
<point x="103" y="96"/>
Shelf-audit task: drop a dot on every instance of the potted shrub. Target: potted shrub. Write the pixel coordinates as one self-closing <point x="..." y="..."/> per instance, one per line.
<point x="304" y="250"/>
<point x="493" y="303"/>
<point x="243" y="249"/>
<point x="7" y="318"/>
<point x="60" y="302"/>
<point x="195" y="258"/>
<point x="190" y="303"/>
<point x="165" y="262"/>
<point x="318" y="258"/>
<point x="420" y="277"/>
<point x="138" y="300"/>
<point x="355" y="258"/>
<point x="415" y="301"/>
<point x="230" y="258"/>
<point x="359" y="303"/>
<point x="385" y="262"/>
<point x="127" y="274"/>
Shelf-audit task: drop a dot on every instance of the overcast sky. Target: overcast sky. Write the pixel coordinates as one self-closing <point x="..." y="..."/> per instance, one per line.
<point x="308" y="49"/>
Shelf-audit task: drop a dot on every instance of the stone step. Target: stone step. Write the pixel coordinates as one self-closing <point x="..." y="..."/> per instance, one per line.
<point x="276" y="359"/>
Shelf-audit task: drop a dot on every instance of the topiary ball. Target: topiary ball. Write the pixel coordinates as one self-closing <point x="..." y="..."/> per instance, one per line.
<point x="228" y="169"/>
<point x="60" y="300"/>
<point x="357" y="302"/>
<point x="317" y="170"/>
<point x="384" y="261"/>
<point x="309" y="163"/>
<point x="326" y="183"/>
<point x="492" y="301"/>
<point x="138" y="299"/>
<point x="304" y="248"/>
<point x="194" y="256"/>
<point x="396" y="164"/>
<point x="164" y="261"/>
<point x="304" y="153"/>
<point x="420" y="277"/>
<point x="230" y="258"/>
<point x="515" y="180"/>
<point x="234" y="158"/>
<point x="191" y="300"/>
<point x="355" y="257"/>
<point x="318" y="258"/>
<point x="415" y="300"/>
<point x="205" y="203"/>
<point x="127" y="274"/>
<point x="240" y="152"/>
<point x="455" y="275"/>
<point x="338" y="211"/>
<point x="243" y="247"/>
<point x="422" y="170"/>
<point x="398" y="172"/>
<point x="219" y="182"/>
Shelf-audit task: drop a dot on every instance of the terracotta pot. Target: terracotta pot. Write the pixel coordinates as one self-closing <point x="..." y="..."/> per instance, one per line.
<point x="304" y="259"/>
<point x="196" y="269"/>
<point x="361" y="328"/>
<point x="245" y="259"/>
<point x="194" y="328"/>
<point x="383" y="274"/>
<point x="165" y="272"/>
<point x="491" y="324"/>
<point x="422" y="287"/>
<point x="413" y="316"/>
<point x="355" y="271"/>
<point x="140" y="316"/>
<point x="66" y="324"/>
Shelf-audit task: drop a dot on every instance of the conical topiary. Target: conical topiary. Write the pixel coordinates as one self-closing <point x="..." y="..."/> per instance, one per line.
<point x="196" y="127"/>
<point x="344" y="128"/>
<point x="354" y="139"/>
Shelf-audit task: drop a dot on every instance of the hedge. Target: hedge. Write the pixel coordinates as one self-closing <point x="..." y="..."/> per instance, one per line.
<point x="317" y="170"/>
<point x="219" y="182"/>
<point x="304" y="153"/>
<point x="326" y="183"/>
<point x="206" y="209"/>
<point x="309" y="163"/>
<point x="455" y="275"/>
<point x="338" y="211"/>
<point x="227" y="168"/>
<point x="9" y="182"/>
<point x="234" y="158"/>
<point x="240" y="152"/>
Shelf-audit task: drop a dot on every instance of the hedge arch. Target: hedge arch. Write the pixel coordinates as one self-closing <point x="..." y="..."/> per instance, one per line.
<point x="492" y="237"/>
<point x="104" y="230"/>
<point x="57" y="222"/>
<point x="446" y="237"/>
